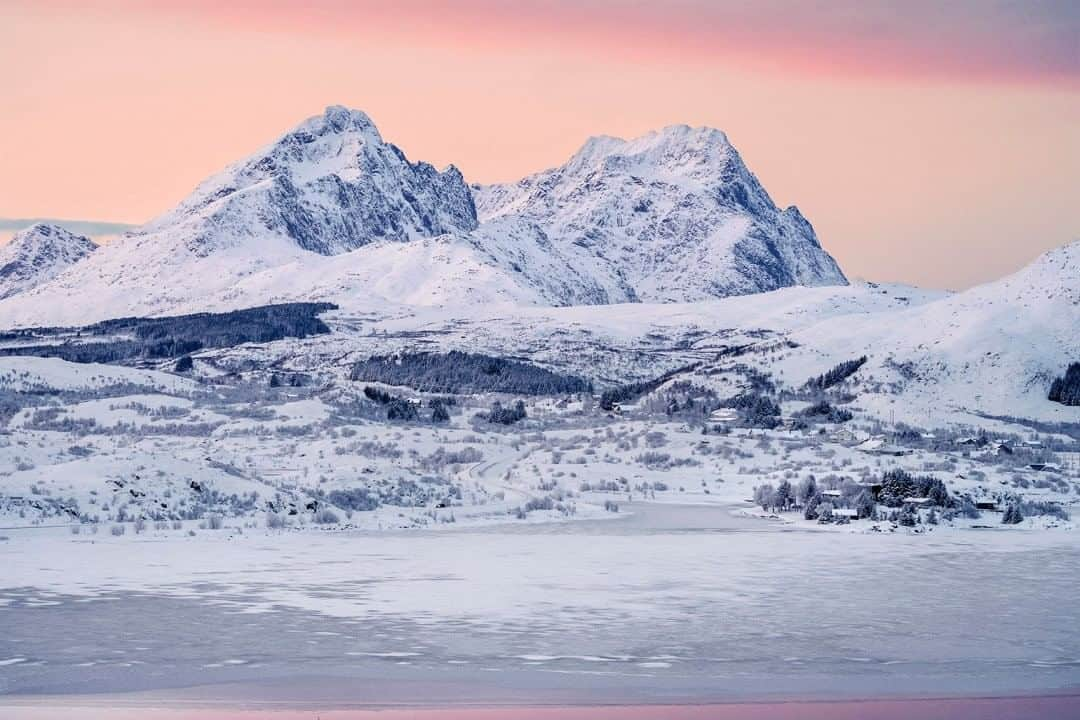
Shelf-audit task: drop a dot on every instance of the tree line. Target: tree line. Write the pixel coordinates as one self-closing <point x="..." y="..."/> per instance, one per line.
<point x="458" y="373"/>
<point x="128" y="339"/>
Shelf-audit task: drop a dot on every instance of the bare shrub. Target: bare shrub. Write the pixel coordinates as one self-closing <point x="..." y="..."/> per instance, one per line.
<point x="326" y="516"/>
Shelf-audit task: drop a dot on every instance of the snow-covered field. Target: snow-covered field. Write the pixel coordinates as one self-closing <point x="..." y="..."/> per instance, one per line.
<point x="161" y="532"/>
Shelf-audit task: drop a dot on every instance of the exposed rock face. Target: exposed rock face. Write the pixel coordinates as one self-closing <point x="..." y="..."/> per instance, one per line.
<point x="673" y="215"/>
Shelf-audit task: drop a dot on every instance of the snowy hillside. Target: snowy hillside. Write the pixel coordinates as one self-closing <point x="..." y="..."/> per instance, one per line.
<point x="505" y="264"/>
<point x="933" y="358"/>
<point x="38" y="254"/>
<point x="994" y="348"/>
<point x="674" y="215"/>
<point x="999" y="344"/>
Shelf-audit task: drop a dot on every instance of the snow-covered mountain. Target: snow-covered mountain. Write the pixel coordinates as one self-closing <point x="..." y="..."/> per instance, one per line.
<point x="332" y="212"/>
<point x="331" y="185"/>
<point x="38" y="254"/>
<point x="674" y="215"/>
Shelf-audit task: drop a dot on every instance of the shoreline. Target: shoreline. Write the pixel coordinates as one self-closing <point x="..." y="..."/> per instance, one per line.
<point x="166" y="706"/>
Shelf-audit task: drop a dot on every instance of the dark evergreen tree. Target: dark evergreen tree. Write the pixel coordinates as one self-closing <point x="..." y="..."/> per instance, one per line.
<point x="785" y="495"/>
<point x="896" y="484"/>
<point x="401" y="409"/>
<point x="506" y="415"/>
<point x="1066" y="389"/>
<point x="824" y="411"/>
<point x="1012" y="514"/>
<point x="380" y="396"/>
<point x="632" y="391"/>
<point x="837" y="374"/>
<point x="865" y="505"/>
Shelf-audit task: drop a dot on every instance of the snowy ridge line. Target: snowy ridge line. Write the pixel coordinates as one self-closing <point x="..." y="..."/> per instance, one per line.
<point x="330" y="211"/>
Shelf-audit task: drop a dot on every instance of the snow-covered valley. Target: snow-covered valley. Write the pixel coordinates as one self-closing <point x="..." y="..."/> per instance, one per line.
<point x="622" y="429"/>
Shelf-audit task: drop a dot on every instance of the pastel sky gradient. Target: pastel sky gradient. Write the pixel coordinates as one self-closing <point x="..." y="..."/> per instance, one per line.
<point x="930" y="142"/>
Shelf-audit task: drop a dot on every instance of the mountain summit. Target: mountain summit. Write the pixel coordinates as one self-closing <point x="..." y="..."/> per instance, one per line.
<point x="330" y="185"/>
<point x="38" y="254"/>
<point x="674" y="215"/>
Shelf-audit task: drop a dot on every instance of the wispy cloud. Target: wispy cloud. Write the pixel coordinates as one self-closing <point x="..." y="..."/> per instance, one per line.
<point x="982" y="40"/>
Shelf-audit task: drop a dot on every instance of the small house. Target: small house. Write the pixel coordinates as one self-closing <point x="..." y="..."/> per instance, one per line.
<point x="844" y="436"/>
<point x="986" y="505"/>
<point x="849" y="513"/>
<point x="724" y="415"/>
<point x="918" y="501"/>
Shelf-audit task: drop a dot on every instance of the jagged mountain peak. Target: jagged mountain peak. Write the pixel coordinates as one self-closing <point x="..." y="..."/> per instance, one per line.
<point x="675" y="149"/>
<point x="703" y="137"/>
<point x="38" y="254"/>
<point x="338" y="118"/>
<point x="672" y="215"/>
<point x="51" y="234"/>
<point x="329" y="185"/>
<point x="51" y="238"/>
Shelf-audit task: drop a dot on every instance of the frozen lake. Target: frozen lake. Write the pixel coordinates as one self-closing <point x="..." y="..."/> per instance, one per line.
<point x="673" y="604"/>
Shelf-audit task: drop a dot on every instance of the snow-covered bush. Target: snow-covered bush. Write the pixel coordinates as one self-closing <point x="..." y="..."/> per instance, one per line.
<point x="274" y="521"/>
<point x="326" y="516"/>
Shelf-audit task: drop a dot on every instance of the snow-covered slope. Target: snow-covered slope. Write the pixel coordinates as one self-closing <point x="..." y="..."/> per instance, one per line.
<point x="38" y="254"/>
<point x="33" y="374"/>
<point x="995" y="348"/>
<point x="674" y="215"/>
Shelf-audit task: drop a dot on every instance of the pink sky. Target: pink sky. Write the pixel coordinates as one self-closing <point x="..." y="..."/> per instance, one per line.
<point x="936" y="145"/>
